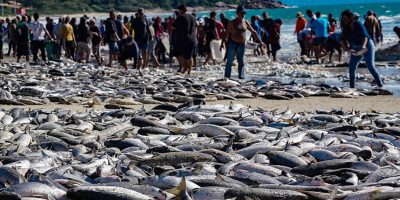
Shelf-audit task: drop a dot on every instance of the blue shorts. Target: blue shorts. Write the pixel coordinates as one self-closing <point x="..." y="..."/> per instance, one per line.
<point x="143" y="45"/>
<point x="113" y="48"/>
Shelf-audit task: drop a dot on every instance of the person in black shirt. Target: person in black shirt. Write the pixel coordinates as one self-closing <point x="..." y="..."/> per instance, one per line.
<point x="111" y="36"/>
<point x="267" y="25"/>
<point x="211" y="34"/>
<point x="22" y="37"/>
<point x="140" y="27"/>
<point x="83" y="39"/>
<point x="185" y="47"/>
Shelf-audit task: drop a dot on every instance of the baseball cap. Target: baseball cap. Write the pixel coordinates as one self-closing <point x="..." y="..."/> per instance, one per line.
<point x="240" y="9"/>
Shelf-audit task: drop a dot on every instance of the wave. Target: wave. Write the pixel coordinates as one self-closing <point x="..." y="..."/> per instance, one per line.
<point x="389" y="19"/>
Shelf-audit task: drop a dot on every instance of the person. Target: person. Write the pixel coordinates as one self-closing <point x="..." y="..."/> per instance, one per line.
<point x="254" y="20"/>
<point x="201" y="38"/>
<point x="22" y="38"/>
<point x="159" y="49"/>
<point x="372" y="25"/>
<point x="49" y="25"/>
<point x="356" y="39"/>
<point x="320" y="27"/>
<point x="311" y="18"/>
<point x="83" y="39"/>
<point x="236" y="32"/>
<point x="379" y="35"/>
<point x="225" y="21"/>
<point x="397" y="31"/>
<point x="129" y="50"/>
<point x="96" y="40"/>
<point x="127" y="24"/>
<point x="301" y="23"/>
<point x="121" y="30"/>
<point x="160" y="34"/>
<point x="275" y="37"/>
<point x="2" y="33"/>
<point x="111" y="37"/>
<point x="68" y="37"/>
<point x="356" y="16"/>
<point x="12" y="42"/>
<point x="39" y="32"/>
<point x="58" y="36"/>
<point x="151" y="53"/>
<point x="142" y="36"/>
<point x="332" y="24"/>
<point x="211" y="34"/>
<point x="268" y="22"/>
<point x="185" y="42"/>
<point x="72" y="22"/>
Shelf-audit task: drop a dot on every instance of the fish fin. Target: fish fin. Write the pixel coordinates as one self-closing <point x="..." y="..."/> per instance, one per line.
<point x="177" y="130"/>
<point x="50" y="197"/>
<point x="393" y="165"/>
<point x="180" y="188"/>
<point x="333" y="193"/>
<point x="219" y="177"/>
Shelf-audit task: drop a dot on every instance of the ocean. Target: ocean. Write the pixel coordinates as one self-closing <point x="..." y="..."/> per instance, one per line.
<point x="388" y="13"/>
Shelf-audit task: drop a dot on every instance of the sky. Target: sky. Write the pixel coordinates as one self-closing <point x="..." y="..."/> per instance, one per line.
<point x="326" y="2"/>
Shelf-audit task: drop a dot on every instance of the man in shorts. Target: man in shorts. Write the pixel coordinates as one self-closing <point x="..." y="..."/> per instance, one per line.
<point x="96" y="40"/>
<point x="320" y="26"/>
<point x="185" y="47"/>
<point x="111" y="37"/>
<point x="140" y="27"/>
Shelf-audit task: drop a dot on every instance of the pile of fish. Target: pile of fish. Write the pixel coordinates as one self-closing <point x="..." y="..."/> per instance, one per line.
<point x="68" y="82"/>
<point x="198" y="152"/>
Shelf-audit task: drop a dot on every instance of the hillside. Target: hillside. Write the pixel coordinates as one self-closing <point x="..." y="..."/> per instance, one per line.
<point x="79" y="6"/>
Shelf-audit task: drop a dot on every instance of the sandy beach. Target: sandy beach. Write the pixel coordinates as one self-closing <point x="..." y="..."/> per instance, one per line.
<point x="383" y="104"/>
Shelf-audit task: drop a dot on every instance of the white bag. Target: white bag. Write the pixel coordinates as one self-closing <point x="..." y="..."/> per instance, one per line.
<point x="216" y="52"/>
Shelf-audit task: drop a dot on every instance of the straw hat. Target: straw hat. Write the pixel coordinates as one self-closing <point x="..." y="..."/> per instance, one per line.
<point x="299" y="14"/>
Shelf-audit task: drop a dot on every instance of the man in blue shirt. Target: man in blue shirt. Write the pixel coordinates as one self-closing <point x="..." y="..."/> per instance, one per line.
<point x="320" y="28"/>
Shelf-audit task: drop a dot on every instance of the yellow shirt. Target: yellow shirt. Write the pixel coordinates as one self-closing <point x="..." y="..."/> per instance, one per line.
<point x="67" y="32"/>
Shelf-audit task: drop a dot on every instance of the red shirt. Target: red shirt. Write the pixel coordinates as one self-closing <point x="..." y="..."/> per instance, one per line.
<point x="169" y="25"/>
<point x="220" y="28"/>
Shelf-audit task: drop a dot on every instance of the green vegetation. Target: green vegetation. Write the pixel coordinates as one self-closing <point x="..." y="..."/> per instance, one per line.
<point x="78" y="6"/>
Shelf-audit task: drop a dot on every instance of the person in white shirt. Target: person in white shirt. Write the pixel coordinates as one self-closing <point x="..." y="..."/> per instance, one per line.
<point x="38" y="35"/>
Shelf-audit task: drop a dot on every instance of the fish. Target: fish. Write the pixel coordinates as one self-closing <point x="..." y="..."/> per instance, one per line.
<point x="104" y="192"/>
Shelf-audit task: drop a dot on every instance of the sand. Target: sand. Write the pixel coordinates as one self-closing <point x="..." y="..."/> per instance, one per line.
<point x="384" y="104"/>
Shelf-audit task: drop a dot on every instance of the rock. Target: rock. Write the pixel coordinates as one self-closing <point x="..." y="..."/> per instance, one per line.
<point x="262" y="4"/>
<point x="389" y="54"/>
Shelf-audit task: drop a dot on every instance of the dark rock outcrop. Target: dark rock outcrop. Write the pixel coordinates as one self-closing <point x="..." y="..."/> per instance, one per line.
<point x="389" y="54"/>
<point x="261" y="4"/>
<point x="254" y="4"/>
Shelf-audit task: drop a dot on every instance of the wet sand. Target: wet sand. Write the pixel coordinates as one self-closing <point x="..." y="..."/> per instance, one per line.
<point x="384" y="104"/>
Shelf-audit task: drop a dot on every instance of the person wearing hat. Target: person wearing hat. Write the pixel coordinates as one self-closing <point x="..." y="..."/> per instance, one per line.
<point x="201" y="38"/>
<point x="236" y="32"/>
<point x="301" y="24"/>
<point x="142" y="36"/>
<point x="185" y="29"/>
<point x="356" y="16"/>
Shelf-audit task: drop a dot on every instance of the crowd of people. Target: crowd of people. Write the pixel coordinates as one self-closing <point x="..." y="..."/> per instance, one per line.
<point x="188" y="37"/>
